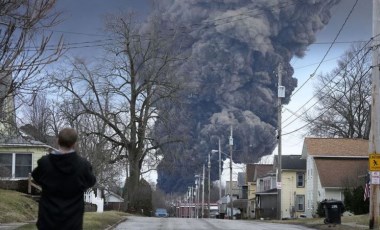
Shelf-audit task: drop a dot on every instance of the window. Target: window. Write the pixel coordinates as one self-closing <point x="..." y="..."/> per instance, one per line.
<point x="300" y="203"/>
<point x="5" y="165"/>
<point x="23" y="165"/>
<point x="15" y="165"/>
<point x="300" y="180"/>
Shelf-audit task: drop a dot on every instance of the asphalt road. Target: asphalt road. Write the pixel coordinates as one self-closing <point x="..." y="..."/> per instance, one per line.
<point x="154" y="223"/>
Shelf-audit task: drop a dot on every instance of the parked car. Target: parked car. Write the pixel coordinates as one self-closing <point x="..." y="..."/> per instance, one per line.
<point x="214" y="213"/>
<point x="161" y="212"/>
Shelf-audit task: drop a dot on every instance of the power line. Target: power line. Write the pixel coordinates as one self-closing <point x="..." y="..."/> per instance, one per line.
<point x="200" y="26"/>
<point x="328" y="50"/>
<point x="325" y="85"/>
<point x="87" y="44"/>
<point x="312" y="121"/>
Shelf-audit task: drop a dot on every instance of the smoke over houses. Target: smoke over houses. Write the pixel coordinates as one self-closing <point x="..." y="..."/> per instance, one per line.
<point x="231" y="77"/>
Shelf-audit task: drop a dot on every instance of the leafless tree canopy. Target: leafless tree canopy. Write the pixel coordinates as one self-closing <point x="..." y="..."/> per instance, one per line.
<point x="116" y="100"/>
<point x="26" y="45"/>
<point x="343" y="97"/>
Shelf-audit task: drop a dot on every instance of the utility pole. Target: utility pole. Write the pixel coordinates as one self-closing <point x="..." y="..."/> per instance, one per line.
<point x="231" y="142"/>
<point x="374" y="140"/>
<point x="192" y="202"/>
<point x="220" y="169"/>
<point x="203" y="191"/>
<point x="281" y="93"/>
<point x="199" y="194"/>
<point x="209" y="178"/>
<point x="189" y="202"/>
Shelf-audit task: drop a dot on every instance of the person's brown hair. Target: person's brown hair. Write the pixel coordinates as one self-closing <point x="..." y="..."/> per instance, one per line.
<point x="67" y="137"/>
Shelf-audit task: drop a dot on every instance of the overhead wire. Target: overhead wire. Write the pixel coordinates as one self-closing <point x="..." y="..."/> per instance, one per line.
<point x="326" y="84"/>
<point x="328" y="50"/>
<point x="296" y="130"/>
<point x="87" y="44"/>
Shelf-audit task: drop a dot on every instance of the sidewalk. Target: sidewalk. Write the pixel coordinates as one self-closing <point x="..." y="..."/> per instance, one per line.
<point x="11" y="226"/>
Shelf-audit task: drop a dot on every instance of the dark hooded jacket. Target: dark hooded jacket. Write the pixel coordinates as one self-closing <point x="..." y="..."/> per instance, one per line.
<point x="64" y="178"/>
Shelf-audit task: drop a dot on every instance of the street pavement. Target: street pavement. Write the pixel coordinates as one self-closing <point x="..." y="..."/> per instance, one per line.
<point x="11" y="226"/>
<point x="154" y="223"/>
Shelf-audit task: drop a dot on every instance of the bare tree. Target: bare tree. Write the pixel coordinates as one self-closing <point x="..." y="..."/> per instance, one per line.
<point x="37" y="118"/>
<point x="123" y="94"/>
<point x="343" y="97"/>
<point x="26" y="45"/>
<point x="96" y="148"/>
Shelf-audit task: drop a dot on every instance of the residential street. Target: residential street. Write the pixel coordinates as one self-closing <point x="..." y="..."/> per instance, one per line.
<point x="153" y="223"/>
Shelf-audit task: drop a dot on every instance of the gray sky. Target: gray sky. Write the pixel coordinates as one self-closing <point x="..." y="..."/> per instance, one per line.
<point x="83" y="20"/>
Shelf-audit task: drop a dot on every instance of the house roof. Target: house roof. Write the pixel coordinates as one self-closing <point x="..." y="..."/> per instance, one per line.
<point x="109" y="194"/>
<point x="20" y="141"/>
<point x="291" y="162"/>
<point x="255" y="171"/>
<point x="338" y="172"/>
<point x="330" y="147"/>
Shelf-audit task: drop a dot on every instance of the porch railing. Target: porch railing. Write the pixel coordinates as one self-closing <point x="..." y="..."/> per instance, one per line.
<point x="32" y="184"/>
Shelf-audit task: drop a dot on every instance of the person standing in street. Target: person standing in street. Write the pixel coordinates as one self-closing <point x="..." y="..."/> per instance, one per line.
<point x="64" y="176"/>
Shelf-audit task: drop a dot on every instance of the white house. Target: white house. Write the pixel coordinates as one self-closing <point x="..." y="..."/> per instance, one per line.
<point x="332" y="164"/>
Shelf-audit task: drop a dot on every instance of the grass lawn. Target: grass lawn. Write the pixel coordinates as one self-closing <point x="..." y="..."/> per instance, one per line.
<point x="15" y="207"/>
<point x="348" y="222"/>
<point x="92" y="220"/>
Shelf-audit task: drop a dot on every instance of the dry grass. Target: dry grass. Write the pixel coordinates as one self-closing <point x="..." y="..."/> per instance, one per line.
<point x="93" y="220"/>
<point x="359" y="222"/>
<point x="16" y="207"/>
<point x="359" y="219"/>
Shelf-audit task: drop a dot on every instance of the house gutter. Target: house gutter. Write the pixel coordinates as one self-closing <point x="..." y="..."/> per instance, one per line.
<point x="353" y="157"/>
<point x="25" y="145"/>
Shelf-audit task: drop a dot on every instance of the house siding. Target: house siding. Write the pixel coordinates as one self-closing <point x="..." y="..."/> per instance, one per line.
<point x="335" y="194"/>
<point x="36" y="151"/>
<point x="312" y="182"/>
<point x="251" y="206"/>
<point x="289" y="193"/>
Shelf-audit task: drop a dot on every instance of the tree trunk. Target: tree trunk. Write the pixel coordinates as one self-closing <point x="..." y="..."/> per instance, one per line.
<point x="131" y="186"/>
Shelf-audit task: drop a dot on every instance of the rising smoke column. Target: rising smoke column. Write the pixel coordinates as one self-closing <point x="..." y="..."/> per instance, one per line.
<point x="231" y="80"/>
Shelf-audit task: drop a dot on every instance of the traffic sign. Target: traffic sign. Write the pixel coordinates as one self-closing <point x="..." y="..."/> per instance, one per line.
<point x="374" y="162"/>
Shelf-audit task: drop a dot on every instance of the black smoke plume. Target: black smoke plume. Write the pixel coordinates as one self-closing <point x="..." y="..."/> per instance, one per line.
<point x="235" y="47"/>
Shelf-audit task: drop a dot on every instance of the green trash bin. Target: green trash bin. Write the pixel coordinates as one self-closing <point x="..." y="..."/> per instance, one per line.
<point x="333" y="211"/>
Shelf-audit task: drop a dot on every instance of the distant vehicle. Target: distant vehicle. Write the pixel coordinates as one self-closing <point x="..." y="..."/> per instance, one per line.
<point x="161" y="212"/>
<point x="214" y="213"/>
<point x="236" y="213"/>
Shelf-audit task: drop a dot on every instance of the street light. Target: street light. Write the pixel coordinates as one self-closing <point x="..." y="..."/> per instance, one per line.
<point x="220" y="179"/>
<point x="197" y="185"/>
<point x="219" y="166"/>
<point x="209" y="177"/>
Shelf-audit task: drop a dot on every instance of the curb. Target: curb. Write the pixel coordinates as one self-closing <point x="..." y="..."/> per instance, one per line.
<point x="117" y="223"/>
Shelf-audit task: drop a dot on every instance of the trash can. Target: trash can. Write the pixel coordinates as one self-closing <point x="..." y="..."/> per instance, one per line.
<point x="333" y="211"/>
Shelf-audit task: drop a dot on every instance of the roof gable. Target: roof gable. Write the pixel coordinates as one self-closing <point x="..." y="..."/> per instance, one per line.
<point x="335" y="147"/>
<point x="262" y="170"/>
<point x="338" y="172"/>
<point x="255" y="171"/>
<point x="291" y="162"/>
